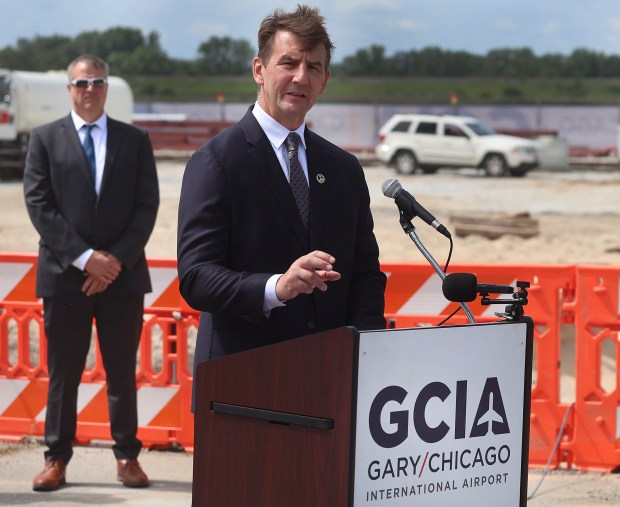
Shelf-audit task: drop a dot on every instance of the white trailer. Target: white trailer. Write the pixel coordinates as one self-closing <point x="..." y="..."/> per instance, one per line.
<point x="30" y="99"/>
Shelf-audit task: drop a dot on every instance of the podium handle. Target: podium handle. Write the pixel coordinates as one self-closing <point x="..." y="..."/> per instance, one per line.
<point x="273" y="416"/>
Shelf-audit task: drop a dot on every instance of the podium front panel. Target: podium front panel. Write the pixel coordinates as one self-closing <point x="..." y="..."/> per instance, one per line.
<point x="440" y="416"/>
<point x="273" y="424"/>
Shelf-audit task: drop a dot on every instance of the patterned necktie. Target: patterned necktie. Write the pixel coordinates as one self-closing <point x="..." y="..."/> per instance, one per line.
<point x="89" y="149"/>
<point x="298" y="182"/>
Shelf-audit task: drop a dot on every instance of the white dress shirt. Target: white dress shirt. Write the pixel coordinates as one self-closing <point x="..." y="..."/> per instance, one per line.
<point x="100" y="137"/>
<point x="277" y="133"/>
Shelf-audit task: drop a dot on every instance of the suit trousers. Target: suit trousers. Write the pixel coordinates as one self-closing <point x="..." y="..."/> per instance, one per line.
<point x="68" y="324"/>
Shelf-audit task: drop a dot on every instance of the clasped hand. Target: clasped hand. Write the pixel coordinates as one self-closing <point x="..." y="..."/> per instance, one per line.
<point x="312" y="271"/>
<point x="101" y="269"/>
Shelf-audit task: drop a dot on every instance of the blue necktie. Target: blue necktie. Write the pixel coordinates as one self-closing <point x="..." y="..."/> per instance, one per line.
<point x="89" y="149"/>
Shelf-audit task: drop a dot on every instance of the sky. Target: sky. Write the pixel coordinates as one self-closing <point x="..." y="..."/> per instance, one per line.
<point x="475" y="26"/>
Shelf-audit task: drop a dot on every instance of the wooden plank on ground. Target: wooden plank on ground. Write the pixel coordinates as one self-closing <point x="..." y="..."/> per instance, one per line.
<point x="495" y="225"/>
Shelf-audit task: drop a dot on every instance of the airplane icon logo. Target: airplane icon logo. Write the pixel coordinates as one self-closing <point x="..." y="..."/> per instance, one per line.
<point x="491" y="415"/>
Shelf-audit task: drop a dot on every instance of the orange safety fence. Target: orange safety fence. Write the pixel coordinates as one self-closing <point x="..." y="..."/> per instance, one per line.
<point x="596" y="440"/>
<point x="164" y="373"/>
<point x="414" y="298"/>
<point x="583" y="298"/>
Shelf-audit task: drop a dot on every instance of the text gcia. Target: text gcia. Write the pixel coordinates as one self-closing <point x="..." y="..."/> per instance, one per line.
<point x="490" y="415"/>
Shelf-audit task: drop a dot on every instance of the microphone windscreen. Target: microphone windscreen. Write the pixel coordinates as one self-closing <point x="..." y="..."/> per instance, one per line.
<point x="460" y="287"/>
<point x="390" y="187"/>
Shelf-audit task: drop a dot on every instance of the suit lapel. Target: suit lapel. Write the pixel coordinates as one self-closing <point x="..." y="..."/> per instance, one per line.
<point x="112" y="147"/>
<point x="73" y="141"/>
<point x="267" y="164"/>
<point x="320" y="182"/>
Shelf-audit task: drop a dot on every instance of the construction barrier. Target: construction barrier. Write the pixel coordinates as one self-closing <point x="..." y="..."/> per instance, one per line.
<point x="583" y="299"/>
<point x="414" y="298"/>
<point x="596" y="439"/>
<point x="164" y="362"/>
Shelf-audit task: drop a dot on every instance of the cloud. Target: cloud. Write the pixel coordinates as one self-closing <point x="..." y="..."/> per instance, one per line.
<point x="206" y="29"/>
<point x="614" y="23"/>
<point x="354" y="24"/>
<point x="551" y="27"/>
<point x="352" y="6"/>
<point x="408" y="25"/>
<point x="504" y="25"/>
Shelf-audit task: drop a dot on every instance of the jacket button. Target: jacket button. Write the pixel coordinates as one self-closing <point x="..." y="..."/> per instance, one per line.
<point x="311" y="324"/>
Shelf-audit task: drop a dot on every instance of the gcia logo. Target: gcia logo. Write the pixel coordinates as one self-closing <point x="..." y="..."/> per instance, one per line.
<point x="490" y="416"/>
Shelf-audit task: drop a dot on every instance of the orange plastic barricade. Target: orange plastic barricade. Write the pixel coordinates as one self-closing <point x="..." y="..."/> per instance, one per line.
<point x="164" y="362"/>
<point x="23" y="376"/>
<point x="414" y="298"/>
<point x="583" y="298"/>
<point x="597" y="405"/>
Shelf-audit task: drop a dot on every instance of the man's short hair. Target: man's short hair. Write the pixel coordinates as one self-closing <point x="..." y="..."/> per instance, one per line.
<point x="94" y="61"/>
<point x="305" y="23"/>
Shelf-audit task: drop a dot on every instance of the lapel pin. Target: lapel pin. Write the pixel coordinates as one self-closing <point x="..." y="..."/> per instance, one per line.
<point x="320" y="178"/>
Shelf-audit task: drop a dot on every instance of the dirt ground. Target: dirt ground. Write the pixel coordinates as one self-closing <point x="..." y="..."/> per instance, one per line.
<point x="578" y="214"/>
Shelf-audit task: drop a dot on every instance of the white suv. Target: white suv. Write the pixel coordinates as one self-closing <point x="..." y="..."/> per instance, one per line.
<point x="427" y="142"/>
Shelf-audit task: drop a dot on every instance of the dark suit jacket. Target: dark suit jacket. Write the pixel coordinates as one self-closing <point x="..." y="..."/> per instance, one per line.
<point x="70" y="217"/>
<point x="239" y="224"/>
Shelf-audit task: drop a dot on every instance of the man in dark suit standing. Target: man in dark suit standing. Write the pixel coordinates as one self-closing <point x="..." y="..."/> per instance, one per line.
<point x="264" y="258"/>
<point x="91" y="191"/>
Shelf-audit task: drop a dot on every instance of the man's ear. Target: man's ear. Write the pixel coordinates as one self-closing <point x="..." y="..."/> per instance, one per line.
<point x="327" y="74"/>
<point x="257" y="70"/>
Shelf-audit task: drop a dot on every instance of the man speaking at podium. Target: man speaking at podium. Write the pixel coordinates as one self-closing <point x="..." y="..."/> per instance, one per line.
<point x="275" y="237"/>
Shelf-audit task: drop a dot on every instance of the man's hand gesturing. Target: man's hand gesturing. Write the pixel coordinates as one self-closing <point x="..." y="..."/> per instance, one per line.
<point x="307" y="273"/>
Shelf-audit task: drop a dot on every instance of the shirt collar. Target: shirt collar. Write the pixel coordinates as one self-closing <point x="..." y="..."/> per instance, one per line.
<point x="79" y="122"/>
<point x="276" y="132"/>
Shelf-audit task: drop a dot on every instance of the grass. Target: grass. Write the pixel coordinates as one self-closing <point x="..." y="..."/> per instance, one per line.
<point x="478" y="91"/>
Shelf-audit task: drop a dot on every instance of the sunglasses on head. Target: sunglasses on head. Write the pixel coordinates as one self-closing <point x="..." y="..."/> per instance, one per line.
<point x="97" y="82"/>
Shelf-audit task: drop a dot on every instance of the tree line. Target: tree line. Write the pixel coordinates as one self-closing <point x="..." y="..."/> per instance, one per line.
<point x="131" y="53"/>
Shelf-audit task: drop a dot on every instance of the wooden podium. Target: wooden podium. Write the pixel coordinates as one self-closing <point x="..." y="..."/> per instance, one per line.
<point x="290" y="443"/>
<point x="276" y="426"/>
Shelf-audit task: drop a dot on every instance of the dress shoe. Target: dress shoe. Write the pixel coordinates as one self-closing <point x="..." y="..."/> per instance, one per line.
<point x="52" y="476"/>
<point x="130" y="473"/>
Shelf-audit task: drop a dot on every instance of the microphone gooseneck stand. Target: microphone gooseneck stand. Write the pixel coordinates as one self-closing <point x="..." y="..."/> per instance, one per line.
<point x="409" y="229"/>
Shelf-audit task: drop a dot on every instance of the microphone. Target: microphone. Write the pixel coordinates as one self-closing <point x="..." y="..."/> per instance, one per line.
<point x="464" y="287"/>
<point x="408" y="206"/>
